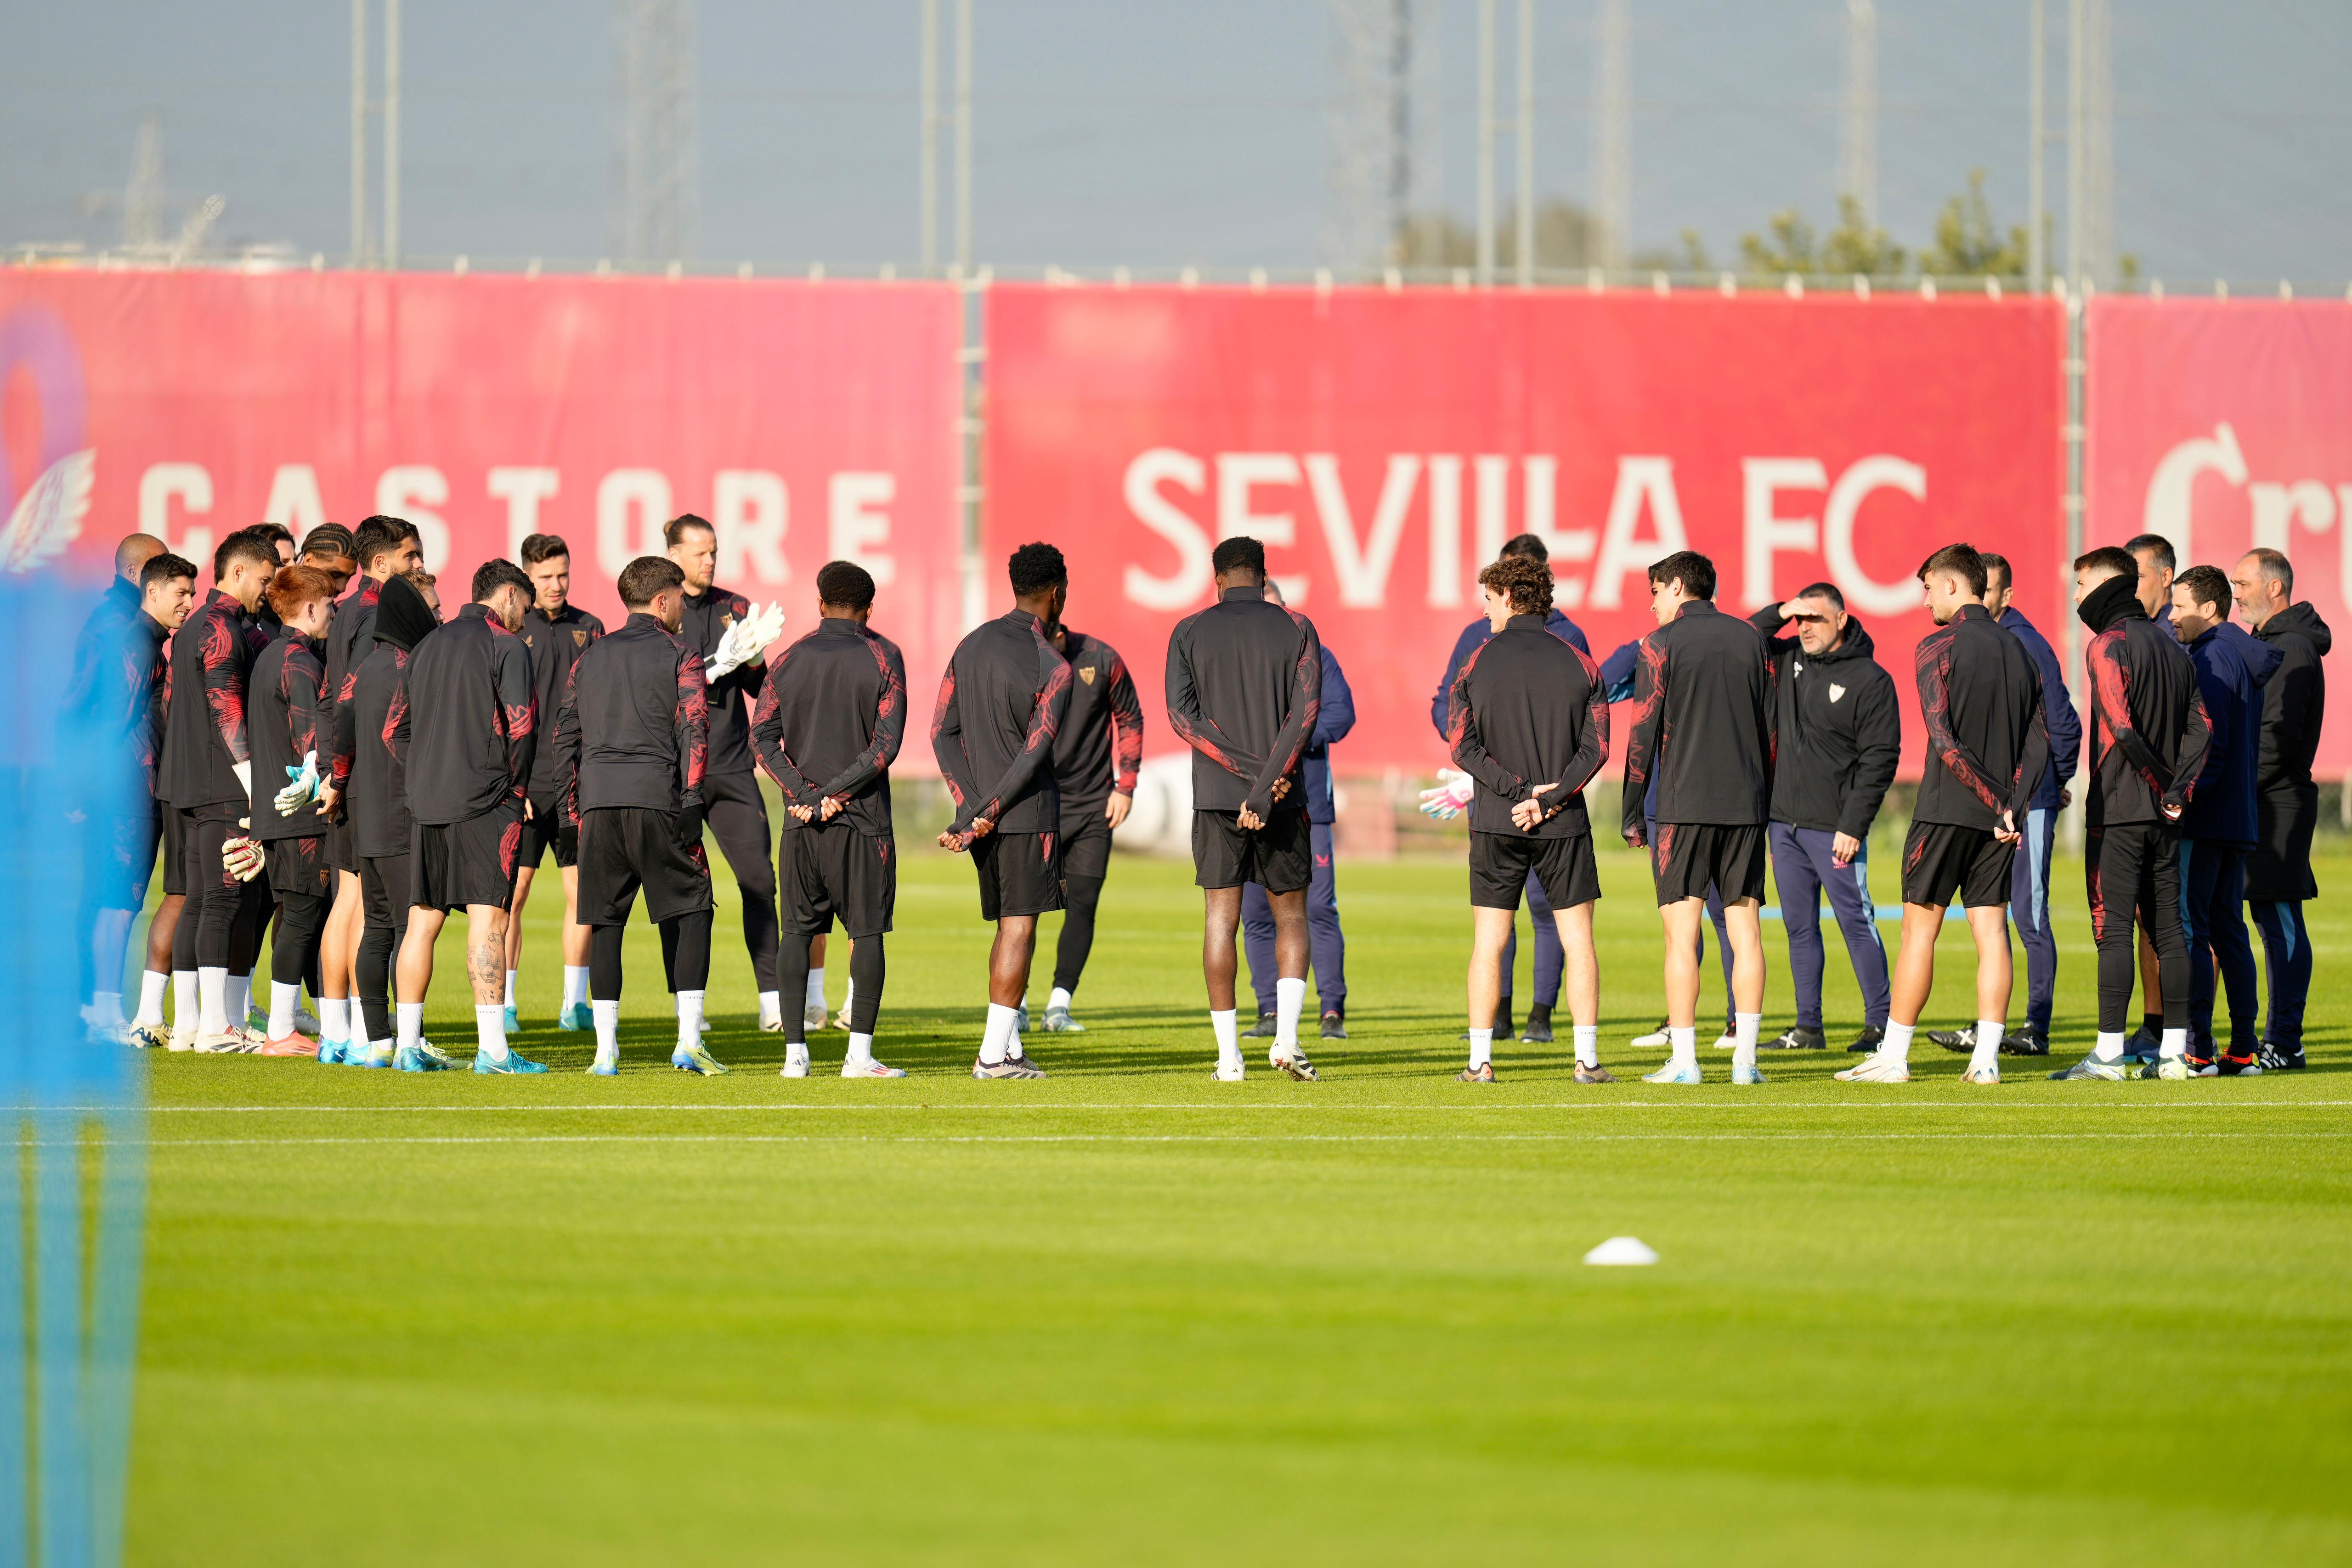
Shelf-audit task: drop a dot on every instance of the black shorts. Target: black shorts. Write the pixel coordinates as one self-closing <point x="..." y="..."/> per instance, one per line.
<point x="1085" y="843"/>
<point x="175" y="825"/>
<point x="623" y="848"/>
<point x="1943" y="858"/>
<point x="548" y="828"/>
<point x="298" y="867"/>
<point x="383" y="893"/>
<point x="472" y="862"/>
<point x="1278" y="857"/>
<point x="118" y="853"/>
<point x="1499" y="863"/>
<point x="207" y="830"/>
<point x="835" y="872"/>
<point x="1688" y="858"/>
<point x="342" y="849"/>
<point x="1020" y="873"/>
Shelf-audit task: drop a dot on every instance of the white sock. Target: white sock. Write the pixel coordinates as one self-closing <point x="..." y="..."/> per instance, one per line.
<point x="1986" y="1052"/>
<point x="607" y="1017"/>
<point x="185" y="1009"/>
<point x="2110" y="1047"/>
<point x="490" y="1030"/>
<point x="335" y="1017"/>
<point x="1226" y="1026"/>
<point x="1060" y="998"/>
<point x="1896" y="1046"/>
<point x="408" y="1020"/>
<point x="861" y="1050"/>
<point x="575" y="985"/>
<point x="848" y="995"/>
<point x="1588" y="1045"/>
<point x="1481" y="1047"/>
<point x="281" y="1010"/>
<point x="771" y="1007"/>
<point x="510" y="980"/>
<point x="238" y="1003"/>
<point x="1745" y="1028"/>
<point x="996" y="1036"/>
<point x="106" y="1007"/>
<point x="2173" y="1043"/>
<point x="1289" y="996"/>
<point x="212" y="1002"/>
<point x="1013" y="1046"/>
<point x="150" y="997"/>
<point x="816" y="985"/>
<point x="689" y="1020"/>
<point x="1683" y="1043"/>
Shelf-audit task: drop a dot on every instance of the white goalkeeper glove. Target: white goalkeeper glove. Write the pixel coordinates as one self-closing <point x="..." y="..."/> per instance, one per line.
<point x="240" y="856"/>
<point x="745" y="641"/>
<point x="1452" y="792"/>
<point x="304" y="788"/>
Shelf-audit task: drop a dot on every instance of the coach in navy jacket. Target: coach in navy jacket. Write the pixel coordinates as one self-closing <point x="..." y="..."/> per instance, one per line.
<point x="1327" y="943"/>
<point x="1548" y="958"/>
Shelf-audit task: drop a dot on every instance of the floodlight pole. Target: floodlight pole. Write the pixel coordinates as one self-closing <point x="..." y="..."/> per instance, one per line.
<point x="927" y="123"/>
<point x="358" y="132"/>
<point x="1525" y="126"/>
<point x="1485" y="142"/>
<point x="963" y="136"/>
<point x="2036" y="142"/>
<point x="390" y="134"/>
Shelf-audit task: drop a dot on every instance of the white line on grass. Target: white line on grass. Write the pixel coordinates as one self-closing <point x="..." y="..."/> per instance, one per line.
<point x="1981" y="1102"/>
<point x="1227" y="1139"/>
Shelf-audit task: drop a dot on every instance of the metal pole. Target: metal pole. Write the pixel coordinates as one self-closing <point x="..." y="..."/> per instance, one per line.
<point x="358" y="130"/>
<point x="2077" y="165"/>
<point x="963" y="135"/>
<point x="1526" y="126"/>
<point x="392" y="134"/>
<point x="1486" y="141"/>
<point x="2077" y="148"/>
<point x="928" y="128"/>
<point x="2036" y="142"/>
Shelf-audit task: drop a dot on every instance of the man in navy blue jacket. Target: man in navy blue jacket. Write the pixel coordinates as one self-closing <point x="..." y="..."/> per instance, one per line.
<point x="1549" y="959"/>
<point x="1328" y="945"/>
<point x="2028" y="874"/>
<point x="2218" y="828"/>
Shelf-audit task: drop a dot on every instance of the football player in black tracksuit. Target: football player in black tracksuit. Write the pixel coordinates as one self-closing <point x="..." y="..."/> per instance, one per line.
<point x="1002" y="703"/>
<point x="384" y="548"/>
<point x="1096" y="759"/>
<point x="2286" y="798"/>
<point x="1841" y="736"/>
<point x="632" y="741"/>
<point x="557" y="631"/>
<point x="1527" y="718"/>
<point x="168" y="592"/>
<point x="1988" y="746"/>
<point x="732" y="634"/>
<point x="371" y="779"/>
<point x="207" y="776"/>
<point x="1245" y="686"/>
<point x="828" y="727"/>
<point x="285" y="699"/>
<point x="2149" y="738"/>
<point x="472" y="723"/>
<point x="1702" y="725"/>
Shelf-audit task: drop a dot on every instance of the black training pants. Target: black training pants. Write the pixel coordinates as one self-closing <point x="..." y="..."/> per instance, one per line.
<point x="738" y="818"/>
<point x="2134" y="868"/>
<point x="686" y="953"/>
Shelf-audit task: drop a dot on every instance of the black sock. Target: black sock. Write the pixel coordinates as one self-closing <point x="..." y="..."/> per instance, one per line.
<point x="2153" y="1023"/>
<point x="1539" y="1014"/>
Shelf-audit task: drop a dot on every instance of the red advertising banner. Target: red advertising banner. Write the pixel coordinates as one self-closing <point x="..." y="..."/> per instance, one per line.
<point x="1385" y="444"/>
<point x="2225" y="425"/>
<point x="806" y="420"/>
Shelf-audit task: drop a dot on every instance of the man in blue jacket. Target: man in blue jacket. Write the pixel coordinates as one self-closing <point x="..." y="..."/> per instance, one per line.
<point x="2028" y="872"/>
<point x="1326" y="942"/>
<point x="2218" y="829"/>
<point x="1549" y="959"/>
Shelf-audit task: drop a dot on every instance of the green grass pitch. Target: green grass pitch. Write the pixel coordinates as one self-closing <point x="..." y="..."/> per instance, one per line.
<point x="1127" y="1315"/>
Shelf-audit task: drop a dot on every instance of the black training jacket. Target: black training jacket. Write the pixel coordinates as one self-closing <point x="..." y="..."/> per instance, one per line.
<point x="472" y="712"/>
<point x="351" y="633"/>
<point x="1840" y="734"/>
<point x="1245" y="685"/>
<point x="556" y="644"/>
<point x="830" y="722"/>
<point x="1981" y="699"/>
<point x="212" y="657"/>
<point x="635" y="725"/>
<point x="2149" y="729"/>
<point x="284" y="707"/>
<point x="372" y="752"/>
<point x="2295" y="700"/>
<point x="1100" y="748"/>
<point x="707" y="615"/>
<point x="1702" y="723"/>
<point x="1528" y="708"/>
<point x="1002" y="703"/>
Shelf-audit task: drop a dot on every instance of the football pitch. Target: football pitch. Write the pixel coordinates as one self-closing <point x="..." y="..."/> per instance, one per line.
<point x="1130" y="1315"/>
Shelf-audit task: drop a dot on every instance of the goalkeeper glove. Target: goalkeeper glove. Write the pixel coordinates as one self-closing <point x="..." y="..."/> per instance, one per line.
<point x="1452" y="792"/>
<point x="304" y="786"/>
<point x="240" y="856"/>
